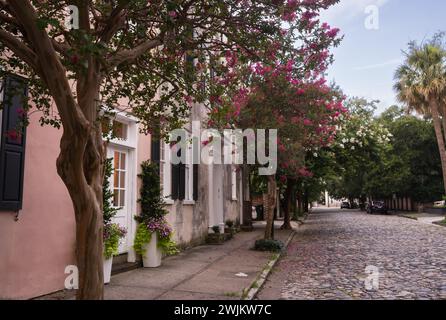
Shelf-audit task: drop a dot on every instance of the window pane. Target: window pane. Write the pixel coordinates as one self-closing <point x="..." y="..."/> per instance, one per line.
<point x="123" y="159"/>
<point x="122" y="198"/>
<point x="106" y="126"/>
<point x="116" y="198"/>
<point x="122" y="179"/>
<point x="116" y="160"/>
<point x="116" y="179"/>
<point x="120" y="130"/>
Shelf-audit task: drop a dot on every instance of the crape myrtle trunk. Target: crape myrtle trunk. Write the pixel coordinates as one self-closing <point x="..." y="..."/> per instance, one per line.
<point x="287" y="208"/>
<point x="80" y="165"/>
<point x="272" y="201"/>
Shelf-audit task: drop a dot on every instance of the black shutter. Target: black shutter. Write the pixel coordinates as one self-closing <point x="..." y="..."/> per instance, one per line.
<point x="182" y="180"/>
<point x="13" y="141"/>
<point x="175" y="181"/>
<point x="155" y="150"/>
<point x="195" y="182"/>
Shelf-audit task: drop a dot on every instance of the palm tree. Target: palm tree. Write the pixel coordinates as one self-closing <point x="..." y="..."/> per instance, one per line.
<point x="421" y="86"/>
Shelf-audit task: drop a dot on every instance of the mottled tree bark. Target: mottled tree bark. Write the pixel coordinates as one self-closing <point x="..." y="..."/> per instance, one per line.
<point x="247" y="205"/>
<point x="287" y="208"/>
<point x="81" y="159"/>
<point x="272" y="201"/>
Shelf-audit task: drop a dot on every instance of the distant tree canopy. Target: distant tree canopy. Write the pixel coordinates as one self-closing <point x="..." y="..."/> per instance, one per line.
<point x="415" y="159"/>
<point x="394" y="153"/>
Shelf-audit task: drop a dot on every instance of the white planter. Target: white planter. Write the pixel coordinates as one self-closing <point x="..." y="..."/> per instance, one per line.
<point x="107" y="269"/>
<point x="152" y="256"/>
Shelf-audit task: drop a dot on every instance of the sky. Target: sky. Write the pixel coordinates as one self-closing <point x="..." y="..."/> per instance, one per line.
<point x="366" y="60"/>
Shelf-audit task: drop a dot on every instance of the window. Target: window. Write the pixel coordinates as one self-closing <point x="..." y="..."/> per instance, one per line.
<point x="119" y="179"/>
<point x="120" y="130"/>
<point x="181" y="176"/>
<point x="13" y="143"/>
<point x="114" y="129"/>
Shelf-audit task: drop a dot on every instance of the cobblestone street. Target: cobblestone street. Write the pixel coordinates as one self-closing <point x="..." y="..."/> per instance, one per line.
<point x="337" y="254"/>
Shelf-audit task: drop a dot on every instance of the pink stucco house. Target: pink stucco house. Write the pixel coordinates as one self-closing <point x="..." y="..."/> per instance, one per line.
<point x="37" y="227"/>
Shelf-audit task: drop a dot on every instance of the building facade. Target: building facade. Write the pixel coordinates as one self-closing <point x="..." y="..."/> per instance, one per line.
<point x="37" y="225"/>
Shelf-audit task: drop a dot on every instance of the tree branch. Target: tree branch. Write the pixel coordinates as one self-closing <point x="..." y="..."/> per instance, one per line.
<point x="114" y="23"/>
<point x="61" y="47"/>
<point x="48" y="63"/>
<point x="128" y="55"/>
<point x="19" y="48"/>
<point x="8" y="19"/>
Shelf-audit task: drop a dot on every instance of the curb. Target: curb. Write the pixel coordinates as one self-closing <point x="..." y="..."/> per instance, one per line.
<point x="407" y="217"/>
<point x="250" y="292"/>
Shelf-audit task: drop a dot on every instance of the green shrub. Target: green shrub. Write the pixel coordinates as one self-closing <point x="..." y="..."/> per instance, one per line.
<point x="269" y="245"/>
<point x="229" y="223"/>
<point x="142" y="237"/>
<point x="112" y="235"/>
<point x="107" y="194"/>
<point x="152" y="218"/>
<point x="216" y="229"/>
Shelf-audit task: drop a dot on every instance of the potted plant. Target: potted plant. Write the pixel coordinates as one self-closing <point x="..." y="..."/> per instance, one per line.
<point x="216" y="237"/>
<point x="230" y="228"/>
<point x="154" y="236"/>
<point x="113" y="233"/>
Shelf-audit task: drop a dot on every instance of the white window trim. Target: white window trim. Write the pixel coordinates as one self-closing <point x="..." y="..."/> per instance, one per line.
<point x="189" y="188"/>
<point x="131" y="145"/>
<point x="233" y="183"/>
<point x="132" y="126"/>
<point x="167" y="177"/>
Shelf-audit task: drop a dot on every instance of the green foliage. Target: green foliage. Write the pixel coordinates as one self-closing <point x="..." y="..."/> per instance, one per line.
<point x="378" y="157"/>
<point x="229" y="223"/>
<point x="269" y="245"/>
<point x="168" y="246"/>
<point x="152" y="202"/>
<point x="108" y="210"/>
<point x="153" y="79"/>
<point x="112" y="235"/>
<point x="142" y="237"/>
<point x="414" y="161"/>
<point x="152" y="218"/>
<point x="360" y="145"/>
<point x="216" y="229"/>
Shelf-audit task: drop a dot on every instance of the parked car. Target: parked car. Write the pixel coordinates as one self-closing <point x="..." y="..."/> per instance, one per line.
<point x="439" y="203"/>
<point x="345" y="205"/>
<point x="377" y="207"/>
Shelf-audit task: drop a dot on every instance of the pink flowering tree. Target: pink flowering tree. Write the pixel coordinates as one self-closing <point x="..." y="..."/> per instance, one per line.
<point x="305" y="115"/>
<point x="285" y="90"/>
<point x="79" y="67"/>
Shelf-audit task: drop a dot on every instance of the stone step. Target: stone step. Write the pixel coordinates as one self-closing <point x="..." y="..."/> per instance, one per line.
<point x="120" y="264"/>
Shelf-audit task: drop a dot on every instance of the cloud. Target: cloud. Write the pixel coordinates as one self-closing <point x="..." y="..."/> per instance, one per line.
<point x="380" y="65"/>
<point x="347" y="10"/>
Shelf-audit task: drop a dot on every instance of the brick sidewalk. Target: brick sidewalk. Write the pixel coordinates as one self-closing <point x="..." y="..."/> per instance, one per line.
<point x="204" y="272"/>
